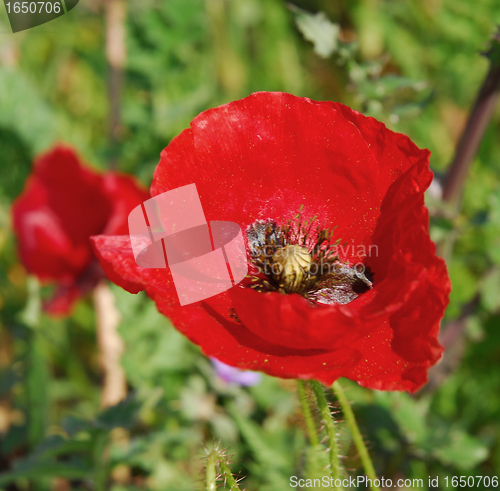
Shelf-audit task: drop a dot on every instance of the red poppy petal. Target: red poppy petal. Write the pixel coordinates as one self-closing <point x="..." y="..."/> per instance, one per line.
<point x="61" y="206"/>
<point x="416" y="325"/>
<point x="246" y="169"/>
<point x="403" y="248"/>
<point x="74" y="193"/>
<point x="45" y="248"/>
<point x="264" y="157"/>
<point x="63" y="203"/>
<point x="231" y="342"/>
<point x="395" y="153"/>
<point x="290" y="320"/>
<point x="63" y="300"/>
<point x="124" y="193"/>
<point x="209" y="325"/>
<point x="382" y="369"/>
<point x="117" y="259"/>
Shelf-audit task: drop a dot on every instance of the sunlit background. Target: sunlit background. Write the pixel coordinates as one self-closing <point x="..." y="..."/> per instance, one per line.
<point x="118" y="80"/>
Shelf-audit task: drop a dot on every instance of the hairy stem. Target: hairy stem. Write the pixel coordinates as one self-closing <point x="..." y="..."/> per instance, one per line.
<point x="101" y="462"/>
<point x="211" y="471"/>
<point x="331" y="431"/>
<point x="311" y="427"/>
<point x="228" y="476"/>
<point x="218" y="460"/>
<point x="356" y="434"/>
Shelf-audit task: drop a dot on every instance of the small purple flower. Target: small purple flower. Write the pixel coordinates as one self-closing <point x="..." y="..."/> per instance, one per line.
<point x="231" y="374"/>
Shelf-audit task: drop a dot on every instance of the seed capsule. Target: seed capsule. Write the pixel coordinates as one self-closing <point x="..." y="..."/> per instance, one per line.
<point x="290" y="266"/>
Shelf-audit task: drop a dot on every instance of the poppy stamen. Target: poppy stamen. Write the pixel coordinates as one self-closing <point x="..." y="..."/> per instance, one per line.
<point x="301" y="257"/>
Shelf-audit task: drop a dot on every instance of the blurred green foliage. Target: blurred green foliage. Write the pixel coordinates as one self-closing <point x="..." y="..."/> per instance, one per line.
<point x="414" y="65"/>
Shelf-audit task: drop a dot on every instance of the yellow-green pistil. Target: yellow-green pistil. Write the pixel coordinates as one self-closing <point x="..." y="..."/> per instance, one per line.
<point x="291" y="265"/>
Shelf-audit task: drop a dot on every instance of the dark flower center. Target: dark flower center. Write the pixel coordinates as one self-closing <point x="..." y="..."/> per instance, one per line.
<point x="301" y="257"/>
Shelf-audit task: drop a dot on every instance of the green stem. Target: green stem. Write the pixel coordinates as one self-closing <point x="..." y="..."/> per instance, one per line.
<point x="211" y="472"/>
<point x="328" y="421"/>
<point x="480" y="116"/>
<point x="311" y="428"/>
<point x="228" y="475"/>
<point x="356" y="434"/>
<point x="470" y="141"/>
<point x="101" y="461"/>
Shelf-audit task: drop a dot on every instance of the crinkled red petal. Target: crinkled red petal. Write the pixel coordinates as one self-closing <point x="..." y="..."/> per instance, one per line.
<point x="124" y="193"/>
<point x="62" y="205"/>
<point x="264" y="157"/>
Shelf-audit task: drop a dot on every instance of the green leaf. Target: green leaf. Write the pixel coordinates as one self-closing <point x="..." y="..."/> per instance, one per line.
<point x="56" y="445"/>
<point x="463" y="451"/>
<point x="263" y="449"/>
<point x="73" y="425"/>
<point x="494" y="51"/>
<point x="37" y="470"/>
<point x="38" y="381"/>
<point x="25" y="111"/>
<point x="318" y="29"/>
<point x="122" y="415"/>
<point x="464" y="285"/>
<point x="30" y="315"/>
<point x="490" y="290"/>
<point x="410" y="414"/>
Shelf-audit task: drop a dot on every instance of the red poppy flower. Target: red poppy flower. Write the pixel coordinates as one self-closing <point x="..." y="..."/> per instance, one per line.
<point x="62" y="205"/>
<point x="259" y="161"/>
